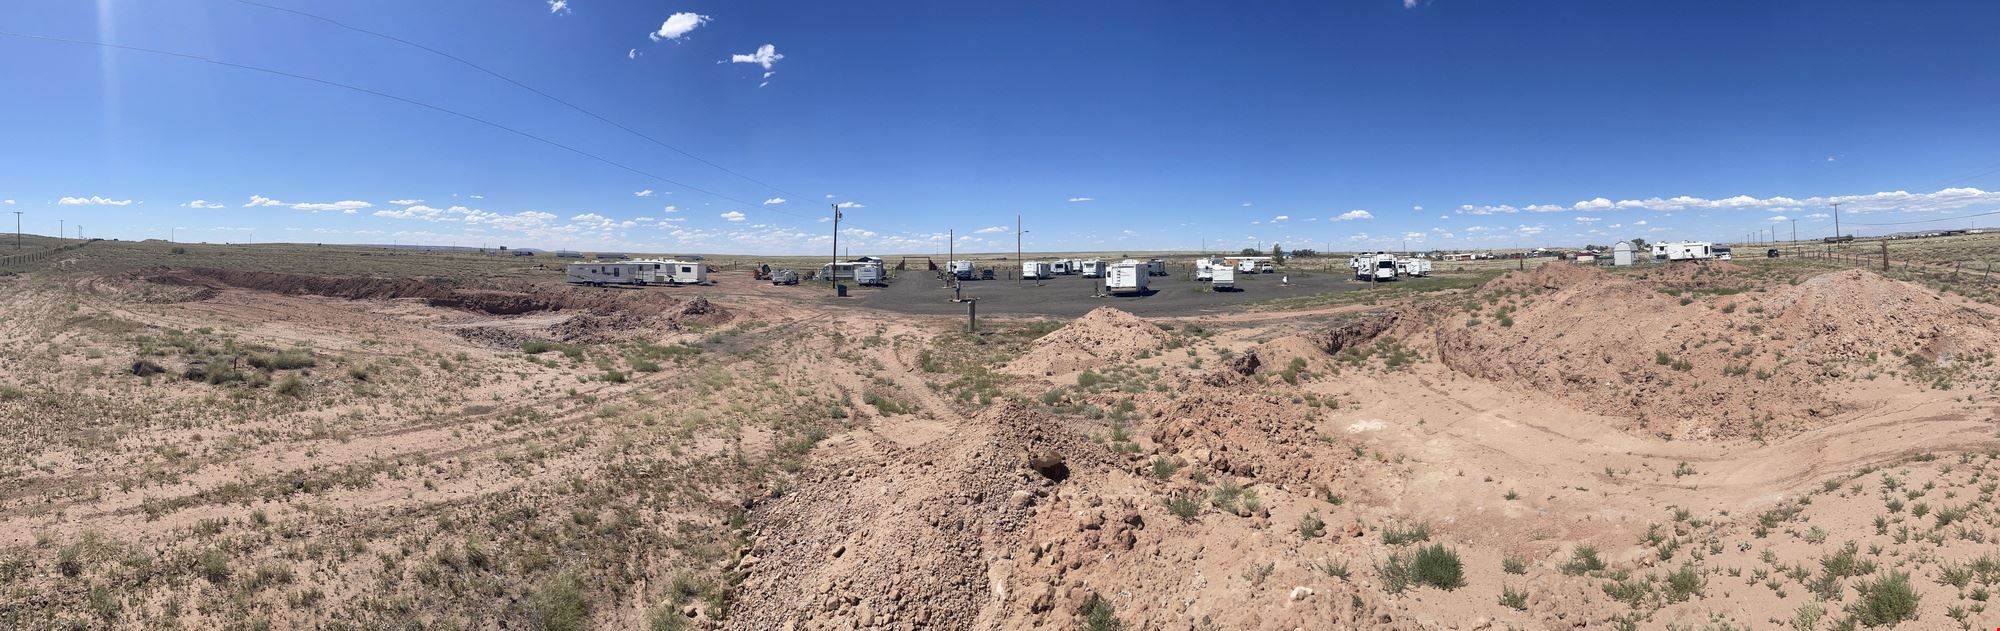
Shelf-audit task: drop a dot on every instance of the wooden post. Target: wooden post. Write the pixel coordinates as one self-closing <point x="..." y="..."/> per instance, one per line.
<point x="1885" y="257"/>
<point x="972" y="315"/>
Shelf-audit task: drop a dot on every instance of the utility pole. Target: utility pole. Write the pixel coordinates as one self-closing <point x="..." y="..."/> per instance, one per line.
<point x="61" y="230"/>
<point x="79" y="232"/>
<point x="17" y="230"/>
<point x="1795" y="235"/>
<point x="833" y="267"/>
<point x="1836" y="222"/>
<point x="950" y="252"/>
<point x="1020" y="269"/>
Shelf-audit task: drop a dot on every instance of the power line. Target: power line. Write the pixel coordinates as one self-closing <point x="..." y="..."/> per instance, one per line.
<point x="1904" y="223"/>
<point x="469" y="64"/>
<point x="476" y="119"/>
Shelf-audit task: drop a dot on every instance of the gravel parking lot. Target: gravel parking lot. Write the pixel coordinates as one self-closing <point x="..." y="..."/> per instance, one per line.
<point x="921" y="292"/>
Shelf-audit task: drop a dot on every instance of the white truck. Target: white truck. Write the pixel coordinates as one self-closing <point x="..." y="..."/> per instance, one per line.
<point x="1035" y="269"/>
<point x="1128" y="277"/>
<point x="1222" y="276"/>
<point x="961" y="270"/>
<point x="1092" y="268"/>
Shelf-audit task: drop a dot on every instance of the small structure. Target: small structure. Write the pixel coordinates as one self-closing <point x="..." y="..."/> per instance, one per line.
<point x="1128" y="277"/>
<point x="864" y="270"/>
<point x="1621" y="253"/>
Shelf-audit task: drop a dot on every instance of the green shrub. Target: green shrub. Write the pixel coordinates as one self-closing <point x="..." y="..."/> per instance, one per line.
<point x="1164" y="467"/>
<point x="1311" y="526"/>
<point x="214" y="566"/>
<point x="1439" y="567"/>
<point x="1517" y="600"/>
<point x="1098" y="615"/>
<point x="291" y="385"/>
<point x="1886" y="600"/>
<point x="290" y="359"/>
<point x="1396" y="536"/>
<point x="1582" y="560"/>
<point x="1684" y="583"/>
<point x="1514" y="565"/>
<point x="1184" y="505"/>
<point x="559" y="604"/>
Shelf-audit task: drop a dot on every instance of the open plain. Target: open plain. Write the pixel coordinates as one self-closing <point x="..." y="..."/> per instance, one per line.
<point x="196" y="436"/>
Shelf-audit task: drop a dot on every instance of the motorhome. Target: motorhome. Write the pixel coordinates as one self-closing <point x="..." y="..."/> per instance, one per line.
<point x="1383" y="266"/>
<point x="1156" y="267"/>
<point x="1413" y="267"/>
<point x="1247" y="266"/>
<point x="600" y="274"/>
<point x="1093" y="268"/>
<point x="1684" y="251"/>
<point x="1035" y="269"/>
<point x="962" y="270"/>
<point x="1127" y="277"/>
<point x="1222" y="276"/>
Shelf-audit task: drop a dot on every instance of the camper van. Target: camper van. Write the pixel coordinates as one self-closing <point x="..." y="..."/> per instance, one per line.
<point x="1094" y="268"/>
<point x="962" y="270"/>
<point x="1413" y="267"/>
<point x="599" y="274"/>
<point x="1222" y="276"/>
<point x="1127" y="277"/>
<point x="1156" y="267"/>
<point x="1686" y="250"/>
<point x="1035" y="269"/>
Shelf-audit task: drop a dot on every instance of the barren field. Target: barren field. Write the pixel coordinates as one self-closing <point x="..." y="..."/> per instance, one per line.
<point x="346" y="438"/>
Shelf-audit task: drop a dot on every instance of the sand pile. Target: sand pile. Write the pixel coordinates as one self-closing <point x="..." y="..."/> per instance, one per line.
<point x="1103" y="336"/>
<point x="1690" y="275"/>
<point x="436" y="293"/>
<point x="913" y="539"/>
<point x="1549" y="276"/>
<point x="1843" y="316"/>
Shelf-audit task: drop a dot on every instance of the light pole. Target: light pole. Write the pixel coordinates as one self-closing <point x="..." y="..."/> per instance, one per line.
<point x="1836" y="222"/>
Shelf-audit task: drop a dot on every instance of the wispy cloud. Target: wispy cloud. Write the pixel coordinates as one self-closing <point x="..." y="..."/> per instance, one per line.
<point x="733" y="216"/>
<point x="344" y="206"/>
<point x="1280" y="218"/>
<point x="644" y="193"/>
<point x="559" y="7"/>
<point x="93" y="201"/>
<point x="774" y="201"/>
<point x="631" y="53"/>
<point x="260" y="200"/>
<point x="404" y="202"/>
<point x="849" y="205"/>
<point x="677" y="25"/>
<point x="1886" y="201"/>
<point x="1081" y="199"/>
<point x="993" y="230"/>
<point x="766" y="56"/>
<point x="1353" y="215"/>
<point x="201" y="203"/>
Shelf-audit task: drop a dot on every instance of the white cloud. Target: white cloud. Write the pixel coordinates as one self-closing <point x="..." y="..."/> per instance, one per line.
<point x="1780" y="219"/>
<point x="1417" y="208"/>
<point x="1409" y="4"/>
<point x="1589" y="219"/>
<point x="677" y="25"/>
<point x="1818" y="216"/>
<point x="644" y="193"/>
<point x="1247" y="204"/>
<point x="632" y="53"/>
<point x="590" y="218"/>
<point x="8" y="202"/>
<point x="404" y="202"/>
<point x="671" y="209"/>
<point x="1529" y="231"/>
<point x="849" y="205"/>
<point x="559" y="7"/>
<point x="1886" y="201"/>
<point x="260" y="200"/>
<point x="344" y="206"/>
<point x="1280" y="218"/>
<point x="766" y="56"/>
<point x="201" y="203"/>
<point x="1640" y="222"/>
<point x="93" y="201"/>
<point x="1354" y="215"/>
<point x="993" y="230"/>
<point x="1080" y="199"/>
<point x="733" y="216"/>
<point x="774" y="201"/>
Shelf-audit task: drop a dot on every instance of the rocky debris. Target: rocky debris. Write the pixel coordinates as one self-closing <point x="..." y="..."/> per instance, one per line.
<point x="1101" y="337"/>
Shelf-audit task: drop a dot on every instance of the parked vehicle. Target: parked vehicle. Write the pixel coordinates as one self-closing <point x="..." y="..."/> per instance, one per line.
<point x="1035" y="269"/>
<point x="784" y="277"/>
<point x="599" y="274"/>
<point x="1156" y="267"/>
<point x="1413" y="267"/>
<point x="1684" y="251"/>
<point x="1384" y="267"/>
<point x="1222" y="276"/>
<point x="986" y="274"/>
<point x="1127" y="277"/>
<point x="1061" y="267"/>
<point x="961" y="270"/>
<point x="871" y="274"/>
<point x="1204" y="269"/>
<point x="1721" y="252"/>
<point x="1771" y="253"/>
<point x="1092" y="268"/>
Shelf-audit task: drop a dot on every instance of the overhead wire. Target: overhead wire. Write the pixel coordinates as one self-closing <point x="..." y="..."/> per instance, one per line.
<point x="406" y="100"/>
<point x="538" y="92"/>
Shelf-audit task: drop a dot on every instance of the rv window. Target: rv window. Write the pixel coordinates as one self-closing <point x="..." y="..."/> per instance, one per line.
<point x="615" y="271"/>
<point x="687" y="269"/>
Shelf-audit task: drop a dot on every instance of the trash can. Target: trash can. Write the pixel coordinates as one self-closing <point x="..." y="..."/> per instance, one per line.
<point x="840" y="291"/>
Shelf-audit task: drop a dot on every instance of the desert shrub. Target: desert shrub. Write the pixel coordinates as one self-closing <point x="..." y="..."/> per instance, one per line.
<point x="559" y="604"/>
<point x="1184" y="505"/>
<point x="214" y="566"/>
<point x="359" y="372"/>
<point x="1515" y="599"/>
<point x="146" y="368"/>
<point x="1886" y="600"/>
<point x="1311" y="526"/>
<point x="1684" y="583"/>
<point x="1164" y="467"/>
<point x="291" y="385"/>
<point x="1514" y="565"/>
<point x="1582" y="560"/>
<point x="289" y="359"/>
<point x="1399" y="535"/>
<point x="1439" y="567"/>
<point x="1098" y="615"/>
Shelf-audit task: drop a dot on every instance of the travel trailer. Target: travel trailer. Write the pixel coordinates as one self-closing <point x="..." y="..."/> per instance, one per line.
<point x="1093" y="268"/>
<point x="1204" y="269"/>
<point x="962" y="270"/>
<point x="599" y="274"/>
<point x="870" y="273"/>
<point x="1127" y="277"/>
<point x="1413" y="267"/>
<point x="865" y="271"/>
<point x="1035" y="269"/>
<point x="1383" y="267"/>
<point x="1721" y="252"/>
<point x="686" y="272"/>
<point x="1222" y="276"/>
<point x="1061" y="266"/>
<point x="1684" y="251"/>
<point x="1156" y="267"/>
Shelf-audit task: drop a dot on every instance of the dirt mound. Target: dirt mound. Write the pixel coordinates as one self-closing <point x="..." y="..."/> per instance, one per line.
<point x="1549" y="276"/>
<point x="1694" y="275"/>
<point x="909" y="542"/>
<point x="1100" y="337"/>
<point x="1715" y="364"/>
<point x="1316" y="348"/>
<point x="434" y="292"/>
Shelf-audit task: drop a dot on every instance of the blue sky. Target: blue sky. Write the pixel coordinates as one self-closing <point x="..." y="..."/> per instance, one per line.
<point x="1107" y="125"/>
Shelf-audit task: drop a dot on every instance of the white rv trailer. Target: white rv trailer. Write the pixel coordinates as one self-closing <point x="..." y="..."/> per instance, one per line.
<point x="1362" y="265"/>
<point x="1156" y="267"/>
<point x="601" y="274"/>
<point x="1035" y="269"/>
<point x="1383" y="265"/>
<point x="1094" y="268"/>
<point x="1061" y="267"/>
<point x="1222" y="276"/>
<point x="1247" y="266"/>
<point x="686" y="272"/>
<point x="1686" y="250"/>
<point x="1413" y="267"/>
<point x="870" y="274"/>
<point x="962" y="270"/>
<point x="866" y="272"/>
<point x="1127" y="277"/>
<point x="1204" y="269"/>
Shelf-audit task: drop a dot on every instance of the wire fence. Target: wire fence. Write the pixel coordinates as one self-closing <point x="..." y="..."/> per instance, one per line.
<point x="31" y="258"/>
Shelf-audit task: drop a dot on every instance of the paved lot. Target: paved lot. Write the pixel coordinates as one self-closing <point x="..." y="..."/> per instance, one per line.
<point x="922" y="293"/>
